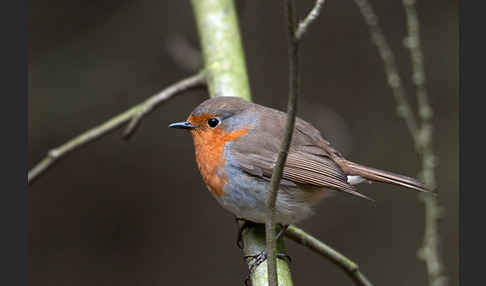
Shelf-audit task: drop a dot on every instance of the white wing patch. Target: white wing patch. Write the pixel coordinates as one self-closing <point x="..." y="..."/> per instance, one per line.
<point x="354" y="180"/>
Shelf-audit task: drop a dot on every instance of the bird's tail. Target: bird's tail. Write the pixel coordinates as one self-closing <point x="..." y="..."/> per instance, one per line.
<point x="377" y="175"/>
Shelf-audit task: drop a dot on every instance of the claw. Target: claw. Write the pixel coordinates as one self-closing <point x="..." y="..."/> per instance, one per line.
<point x="261" y="257"/>
<point x="257" y="259"/>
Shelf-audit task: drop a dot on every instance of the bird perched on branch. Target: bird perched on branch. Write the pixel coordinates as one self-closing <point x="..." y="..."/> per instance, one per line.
<point x="237" y="144"/>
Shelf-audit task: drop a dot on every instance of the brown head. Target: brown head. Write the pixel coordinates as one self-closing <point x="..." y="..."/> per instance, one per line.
<point x="216" y="117"/>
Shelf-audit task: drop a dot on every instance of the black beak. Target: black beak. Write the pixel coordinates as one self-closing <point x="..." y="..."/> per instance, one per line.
<point x="182" y="125"/>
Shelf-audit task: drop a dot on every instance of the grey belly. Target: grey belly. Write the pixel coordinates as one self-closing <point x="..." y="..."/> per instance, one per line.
<point x="244" y="196"/>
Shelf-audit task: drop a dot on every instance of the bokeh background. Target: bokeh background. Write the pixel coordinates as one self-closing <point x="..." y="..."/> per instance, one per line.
<point x="137" y="212"/>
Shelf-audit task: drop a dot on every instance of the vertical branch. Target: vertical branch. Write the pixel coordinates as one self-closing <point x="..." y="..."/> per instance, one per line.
<point x="294" y="35"/>
<point x="270" y="200"/>
<point x="430" y="251"/>
<point x="224" y="60"/>
<point x="225" y="69"/>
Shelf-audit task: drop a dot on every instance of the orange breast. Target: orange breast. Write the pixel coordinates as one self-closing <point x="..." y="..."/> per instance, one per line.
<point x="209" y="147"/>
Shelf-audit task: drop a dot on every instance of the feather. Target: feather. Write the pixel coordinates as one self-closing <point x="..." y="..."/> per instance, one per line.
<point x="300" y="168"/>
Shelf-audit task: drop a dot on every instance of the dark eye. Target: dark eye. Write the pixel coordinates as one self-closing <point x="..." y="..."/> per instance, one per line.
<point x="213" y="122"/>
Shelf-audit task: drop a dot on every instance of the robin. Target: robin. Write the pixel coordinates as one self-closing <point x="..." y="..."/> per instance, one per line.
<point x="237" y="144"/>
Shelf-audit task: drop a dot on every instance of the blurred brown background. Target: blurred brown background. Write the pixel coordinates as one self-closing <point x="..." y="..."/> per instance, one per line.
<point x="137" y="212"/>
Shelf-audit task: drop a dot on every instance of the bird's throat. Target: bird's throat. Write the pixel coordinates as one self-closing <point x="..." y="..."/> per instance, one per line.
<point x="209" y="146"/>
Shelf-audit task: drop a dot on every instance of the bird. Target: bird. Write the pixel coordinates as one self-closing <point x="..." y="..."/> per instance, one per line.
<point x="236" y="144"/>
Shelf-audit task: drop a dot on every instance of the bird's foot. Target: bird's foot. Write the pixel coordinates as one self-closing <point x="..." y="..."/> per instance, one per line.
<point x="261" y="257"/>
<point x="258" y="259"/>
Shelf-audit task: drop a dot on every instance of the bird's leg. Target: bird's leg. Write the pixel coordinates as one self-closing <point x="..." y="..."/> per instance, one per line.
<point x="262" y="256"/>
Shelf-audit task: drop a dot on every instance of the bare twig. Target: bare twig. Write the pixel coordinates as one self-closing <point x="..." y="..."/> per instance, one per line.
<point x="148" y="106"/>
<point x="311" y="17"/>
<point x="326" y="251"/>
<point x="270" y="200"/>
<point x="112" y="124"/>
<point x="293" y="36"/>
<point x="429" y="252"/>
<point x="422" y="135"/>
<point x="393" y="77"/>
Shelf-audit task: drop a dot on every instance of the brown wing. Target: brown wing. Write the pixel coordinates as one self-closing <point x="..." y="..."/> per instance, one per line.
<point x="300" y="169"/>
<point x="309" y="162"/>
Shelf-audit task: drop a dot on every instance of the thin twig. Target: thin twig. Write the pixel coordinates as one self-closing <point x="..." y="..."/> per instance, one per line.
<point x="311" y="17"/>
<point x="393" y="77"/>
<point x="270" y="200"/>
<point x="150" y="104"/>
<point x="294" y="36"/>
<point x="112" y="124"/>
<point x="430" y="251"/>
<point x="422" y="135"/>
<point x="307" y="240"/>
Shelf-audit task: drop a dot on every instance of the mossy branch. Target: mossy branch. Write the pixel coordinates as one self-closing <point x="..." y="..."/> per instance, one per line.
<point x="222" y="51"/>
<point x="227" y="76"/>
<point x="254" y="241"/>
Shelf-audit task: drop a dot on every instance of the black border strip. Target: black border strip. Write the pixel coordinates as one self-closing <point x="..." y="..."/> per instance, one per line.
<point x="13" y="208"/>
